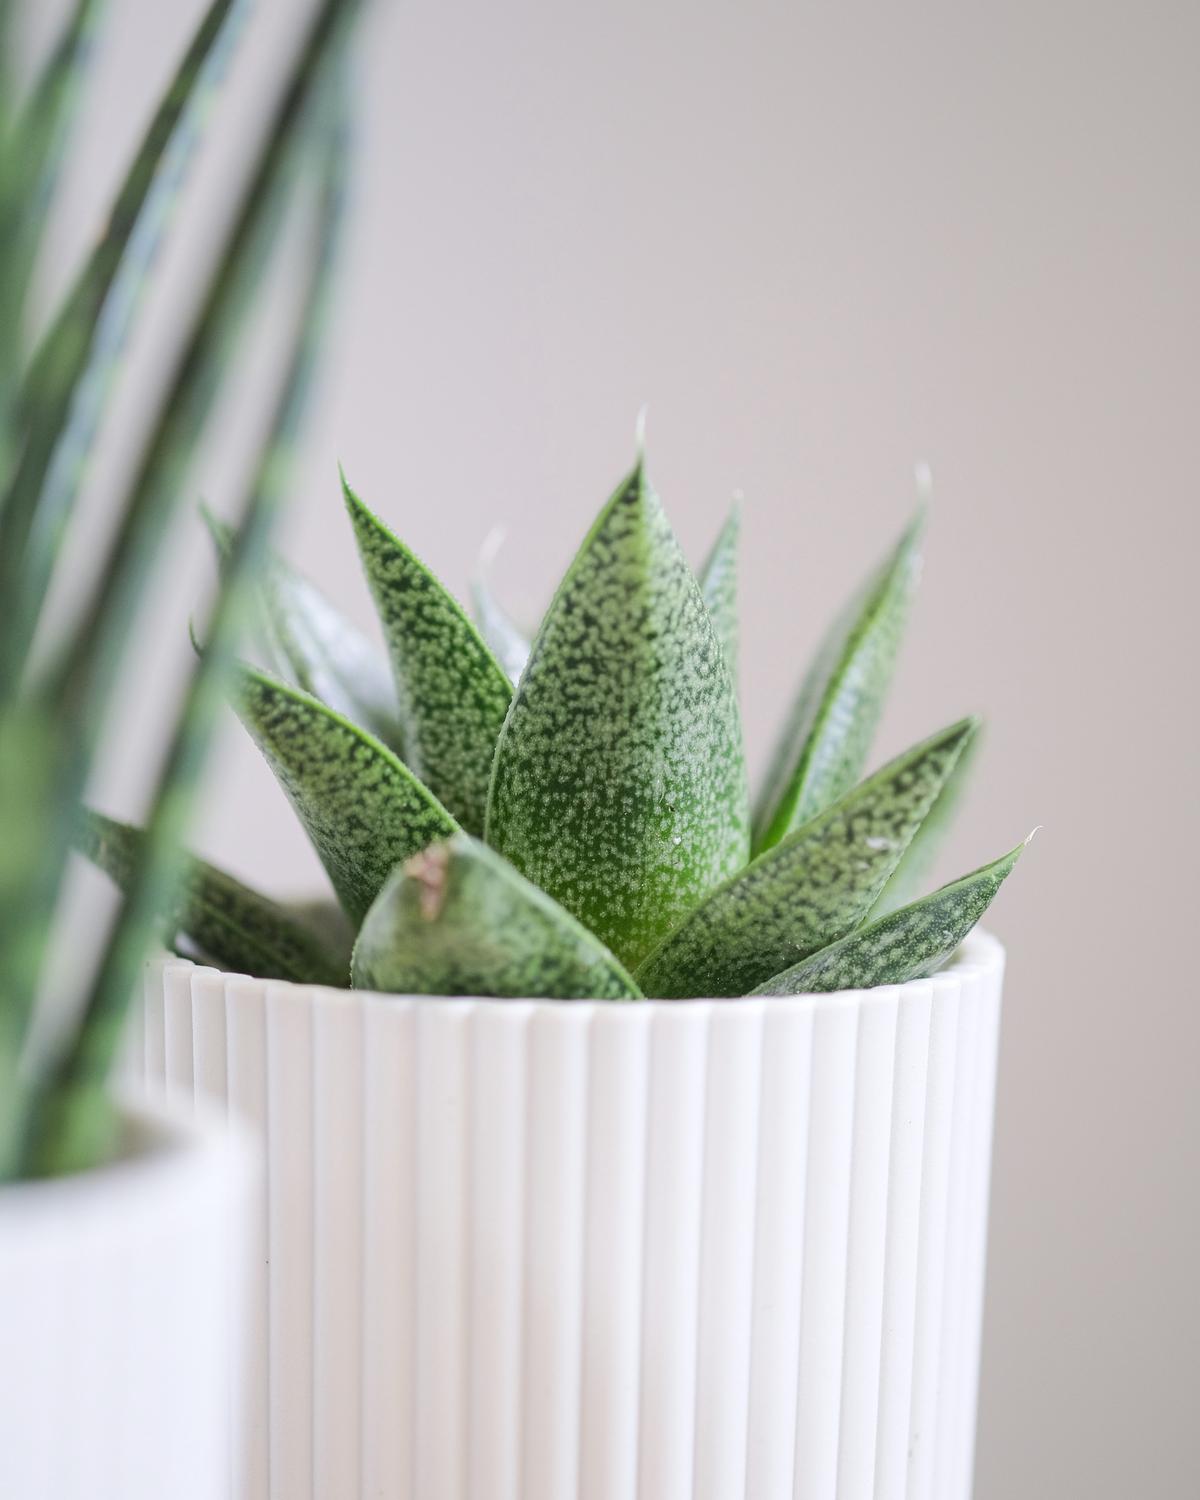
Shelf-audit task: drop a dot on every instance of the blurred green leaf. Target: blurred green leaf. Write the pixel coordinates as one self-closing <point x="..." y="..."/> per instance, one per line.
<point x="65" y="390"/>
<point x="102" y="632"/>
<point x="31" y="146"/>
<point x="58" y="1132"/>
<point x="30" y="753"/>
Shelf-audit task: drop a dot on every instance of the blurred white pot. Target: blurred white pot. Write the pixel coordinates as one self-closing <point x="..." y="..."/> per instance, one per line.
<point x="532" y="1250"/>
<point x="118" y="1353"/>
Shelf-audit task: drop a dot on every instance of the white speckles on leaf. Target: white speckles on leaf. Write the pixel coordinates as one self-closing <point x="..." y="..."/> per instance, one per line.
<point x="228" y="923"/>
<point x="828" y="733"/>
<point x="452" y="692"/>
<point x="809" y="889"/>
<point x="460" y="920"/>
<point x="907" y="944"/>
<point x="619" y="781"/>
<point x="362" y="808"/>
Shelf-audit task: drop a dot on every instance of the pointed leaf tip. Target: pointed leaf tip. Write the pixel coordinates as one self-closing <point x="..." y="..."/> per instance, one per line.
<point x="828" y="732"/>
<point x="811" y="888"/>
<point x="910" y="943"/>
<point x="452" y="692"/>
<point x="362" y="808"/>
<point x="619" y="781"/>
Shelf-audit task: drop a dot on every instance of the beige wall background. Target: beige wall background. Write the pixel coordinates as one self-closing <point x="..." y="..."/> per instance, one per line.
<point x="823" y="243"/>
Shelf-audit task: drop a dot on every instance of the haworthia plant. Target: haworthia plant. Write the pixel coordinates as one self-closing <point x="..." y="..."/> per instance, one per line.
<point x="453" y="693"/>
<point x="809" y="889"/>
<point x="363" y="809"/>
<point x="828" y="733"/>
<point x="219" y="917"/>
<point x="910" y="943"/>
<point x="458" y="919"/>
<point x="619" y="784"/>
<point x="615" y="860"/>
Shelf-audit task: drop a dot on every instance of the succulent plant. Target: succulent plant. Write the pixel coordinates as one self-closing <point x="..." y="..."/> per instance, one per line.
<point x="579" y="824"/>
<point x="58" y="683"/>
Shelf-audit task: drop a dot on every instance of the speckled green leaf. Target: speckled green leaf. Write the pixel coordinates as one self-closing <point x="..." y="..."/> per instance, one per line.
<point x="229" y="924"/>
<point x="907" y="944"/>
<point x="619" y="785"/>
<point x="308" y="641"/>
<point x="718" y="584"/>
<point x="457" y="919"/>
<point x="827" y="736"/>
<point x="453" y="693"/>
<point x="809" y="889"/>
<point x="361" y="806"/>
<point x="911" y="875"/>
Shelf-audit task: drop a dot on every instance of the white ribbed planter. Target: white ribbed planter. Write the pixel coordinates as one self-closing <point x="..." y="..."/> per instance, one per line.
<point x="537" y="1250"/>
<point x="119" y="1365"/>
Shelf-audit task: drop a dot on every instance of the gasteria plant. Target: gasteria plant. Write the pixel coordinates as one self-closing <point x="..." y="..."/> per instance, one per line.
<point x="576" y="822"/>
<point x="56" y="704"/>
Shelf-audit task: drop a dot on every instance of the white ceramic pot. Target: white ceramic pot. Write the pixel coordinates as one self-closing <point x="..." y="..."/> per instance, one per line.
<point x="540" y="1250"/>
<point x="119" y="1365"/>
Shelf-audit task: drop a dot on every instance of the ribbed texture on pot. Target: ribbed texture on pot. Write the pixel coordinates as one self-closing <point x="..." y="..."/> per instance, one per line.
<point x="539" y="1250"/>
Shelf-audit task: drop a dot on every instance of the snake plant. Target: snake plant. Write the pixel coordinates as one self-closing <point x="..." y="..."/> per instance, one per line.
<point x="570" y="817"/>
<point x="58" y="683"/>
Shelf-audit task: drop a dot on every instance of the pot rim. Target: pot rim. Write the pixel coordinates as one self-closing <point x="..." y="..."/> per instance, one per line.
<point x="162" y="1148"/>
<point x="979" y="953"/>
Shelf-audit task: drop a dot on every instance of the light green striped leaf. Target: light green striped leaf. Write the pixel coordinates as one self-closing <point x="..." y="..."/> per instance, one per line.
<point x="718" y="584"/>
<point x="453" y="693"/>
<point x="361" y="806"/>
<point x="458" y="919"/>
<point x="308" y="641"/>
<point x="910" y="877"/>
<point x="32" y="143"/>
<point x="62" y="1135"/>
<point x="811" y="888"/>
<point x="619" y="784"/>
<point x="231" y="925"/>
<point x="828" y="734"/>
<point x="65" y="390"/>
<point x="907" y="944"/>
<point x="94" y="652"/>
